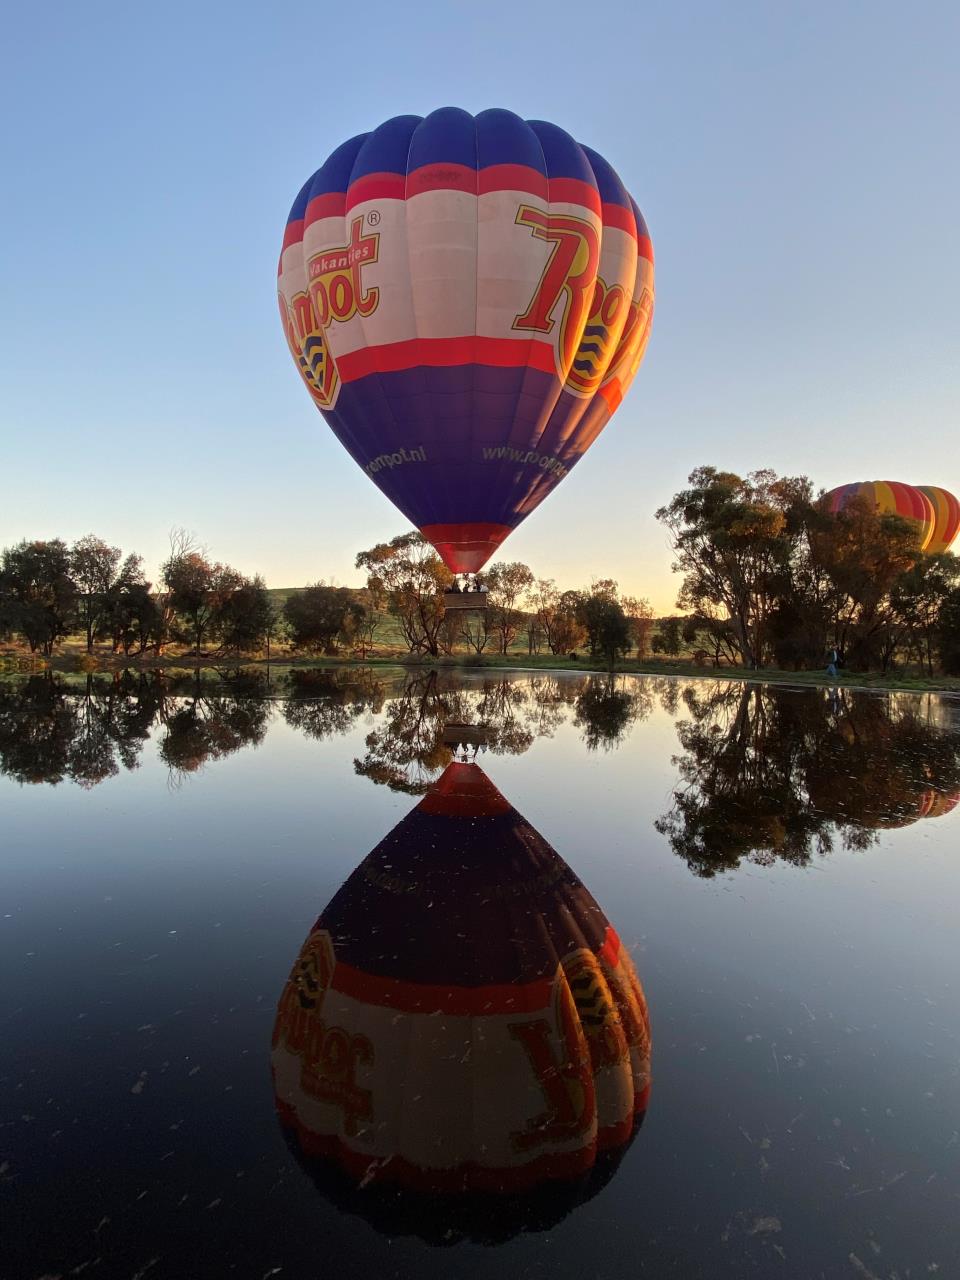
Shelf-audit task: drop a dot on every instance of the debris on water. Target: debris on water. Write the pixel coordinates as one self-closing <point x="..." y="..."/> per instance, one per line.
<point x="861" y="1268"/>
<point x="140" y="1084"/>
<point x="765" y="1226"/>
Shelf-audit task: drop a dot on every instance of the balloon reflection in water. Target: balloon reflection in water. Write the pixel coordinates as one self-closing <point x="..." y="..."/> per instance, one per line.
<point x="462" y="1047"/>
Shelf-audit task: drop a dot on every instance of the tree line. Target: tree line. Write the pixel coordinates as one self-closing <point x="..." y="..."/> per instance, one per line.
<point x="771" y="577"/>
<point x="50" y="590"/>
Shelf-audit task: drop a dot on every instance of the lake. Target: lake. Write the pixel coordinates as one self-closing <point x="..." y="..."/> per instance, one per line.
<point x="362" y="973"/>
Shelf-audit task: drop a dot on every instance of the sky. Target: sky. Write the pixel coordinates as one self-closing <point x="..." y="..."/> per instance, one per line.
<point x="796" y="164"/>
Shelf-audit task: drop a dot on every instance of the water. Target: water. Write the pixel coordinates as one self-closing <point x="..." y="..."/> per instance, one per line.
<point x="772" y="873"/>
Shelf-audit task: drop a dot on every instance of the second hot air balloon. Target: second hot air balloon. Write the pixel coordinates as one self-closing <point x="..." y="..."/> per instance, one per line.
<point x="935" y="512"/>
<point x="467" y="300"/>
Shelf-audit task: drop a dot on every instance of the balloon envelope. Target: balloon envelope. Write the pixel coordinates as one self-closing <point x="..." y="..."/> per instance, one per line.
<point x="467" y="300"/>
<point x="889" y="498"/>
<point x="462" y="1019"/>
<point x="946" y="510"/>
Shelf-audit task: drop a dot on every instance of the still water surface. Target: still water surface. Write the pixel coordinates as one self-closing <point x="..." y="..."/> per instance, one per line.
<point x="361" y="974"/>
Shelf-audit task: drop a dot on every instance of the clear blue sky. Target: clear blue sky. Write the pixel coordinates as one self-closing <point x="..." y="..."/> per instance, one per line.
<point x="797" y="165"/>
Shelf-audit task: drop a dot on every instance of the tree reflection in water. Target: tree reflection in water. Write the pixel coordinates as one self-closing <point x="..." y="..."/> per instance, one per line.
<point x="53" y="730"/>
<point x="323" y="703"/>
<point x="50" y="732"/>
<point x="211" y="722"/>
<point x="772" y="773"/>
<point x="766" y="772"/>
<point x="606" y="708"/>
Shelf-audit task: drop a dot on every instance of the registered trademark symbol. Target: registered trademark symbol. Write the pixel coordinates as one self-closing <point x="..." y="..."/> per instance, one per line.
<point x="373" y="217"/>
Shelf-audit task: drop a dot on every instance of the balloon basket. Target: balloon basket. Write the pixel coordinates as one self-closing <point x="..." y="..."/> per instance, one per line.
<point x="456" y="733"/>
<point x="465" y="599"/>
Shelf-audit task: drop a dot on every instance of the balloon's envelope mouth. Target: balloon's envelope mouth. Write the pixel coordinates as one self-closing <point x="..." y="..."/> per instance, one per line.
<point x="465" y="548"/>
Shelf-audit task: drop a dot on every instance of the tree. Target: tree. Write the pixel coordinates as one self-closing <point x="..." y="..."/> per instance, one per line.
<point x="322" y="618"/>
<point x="606" y="625"/>
<point x="506" y="585"/>
<point x="366" y="628"/>
<point x="475" y="628"/>
<point x="132" y="617"/>
<point x="199" y="591"/>
<point x="854" y="558"/>
<point x="669" y="637"/>
<point x="918" y="598"/>
<point x="640" y="617"/>
<point x="734" y="540"/>
<point x="247" y="617"/>
<point x="93" y="567"/>
<point x="545" y="603"/>
<point x="409" y="577"/>
<point x="948" y="633"/>
<point x="39" y="593"/>
<point x="716" y="632"/>
<point x="557" y="615"/>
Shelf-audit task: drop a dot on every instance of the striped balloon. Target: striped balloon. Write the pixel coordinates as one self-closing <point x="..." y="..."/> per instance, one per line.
<point x="946" y="511"/>
<point x="889" y="498"/>
<point x="467" y="300"/>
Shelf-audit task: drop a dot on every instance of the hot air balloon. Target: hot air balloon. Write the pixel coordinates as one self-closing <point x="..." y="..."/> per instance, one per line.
<point x="946" y="510"/>
<point x="462" y="1022"/>
<point x="889" y="497"/>
<point x="467" y="300"/>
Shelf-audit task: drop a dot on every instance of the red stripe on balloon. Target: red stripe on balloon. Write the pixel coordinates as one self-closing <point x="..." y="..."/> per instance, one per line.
<point x="424" y="997"/>
<point x="502" y="177"/>
<point x="615" y="215"/>
<point x="572" y="191"/>
<point x="392" y="357"/>
<point x="332" y="205"/>
<point x="512" y="177"/>
<point x="376" y="186"/>
<point x="441" y="177"/>
<point x="292" y="235"/>
<point x="610" y="951"/>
